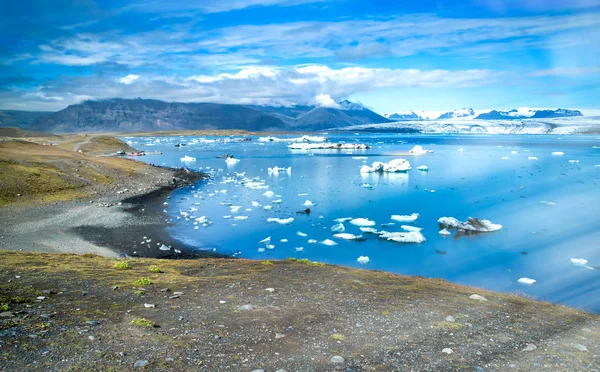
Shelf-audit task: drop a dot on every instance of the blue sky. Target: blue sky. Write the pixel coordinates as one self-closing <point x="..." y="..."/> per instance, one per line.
<point x="389" y="55"/>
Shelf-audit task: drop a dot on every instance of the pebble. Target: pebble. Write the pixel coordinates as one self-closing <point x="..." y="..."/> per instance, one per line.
<point x="337" y="359"/>
<point x="141" y="363"/>
<point x="92" y="338"/>
<point x="258" y="370"/>
<point x="478" y="369"/>
<point x="270" y="290"/>
<point x="530" y="347"/>
<point x="580" y="347"/>
<point x="279" y="335"/>
<point x="448" y="351"/>
<point x="477" y="297"/>
<point x="46" y="315"/>
<point x="281" y="370"/>
<point x="450" y="319"/>
<point x="245" y="307"/>
<point x="92" y="322"/>
<point x="6" y="314"/>
<point x="149" y="305"/>
<point x="178" y="293"/>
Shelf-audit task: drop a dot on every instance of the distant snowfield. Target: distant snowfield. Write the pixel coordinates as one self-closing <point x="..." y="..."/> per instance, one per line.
<point x="570" y="125"/>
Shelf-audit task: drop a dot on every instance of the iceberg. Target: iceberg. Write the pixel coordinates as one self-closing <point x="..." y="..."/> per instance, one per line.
<point x="339" y="228"/>
<point x="532" y="158"/>
<point x="232" y="160"/>
<point x="527" y="281"/>
<point x="418" y="150"/>
<point x="268" y="207"/>
<point x="410" y="218"/>
<point x="445" y="232"/>
<point x="297" y="139"/>
<point x="328" y="242"/>
<point x="423" y="168"/>
<point x="472" y="224"/>
<point x="328" y="146"/>
<point x="369" y="230"/>
<point x="308" y="203"/>
<point x="362" y="222"/>
<point x="188" y="159"/>
<point x="363" y="260"/>
<point x="300" y="233"/>
<point x="240" y="218"/>
<point x="558" y="153"/>
<point x="347" y="236"/>
<point x="343" y="219"/>
<point x="411" y="228"/>
<point x="281" y="221"/>
<point x="269" y="194"/>
<point x="265" y="240"/>
<point x="403" y="237"/>
<point x="393" y="166"/>
<point x="279" y="169"/>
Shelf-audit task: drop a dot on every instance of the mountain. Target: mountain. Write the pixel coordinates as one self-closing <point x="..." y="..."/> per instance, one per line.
<point x="406" y="115"/>
<point x="527" y="114"/>
<point x="457" y="114"/>
<point x="122" y="115"/>
<point x="20" y="119"/>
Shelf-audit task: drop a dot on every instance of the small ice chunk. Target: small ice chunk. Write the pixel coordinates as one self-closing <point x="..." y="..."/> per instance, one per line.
<point x="547" y="202"/>
<point x="303" y="194"/>
<point x="505" y="158"/>
<point x="532" y="158"/>
<point x="312" y="241"/>
<point x="347" y="236"/>
<point x="369" y="230"/>
<point x="362" y="222"/>
<point x="527" y="281"/>
<point x="410" y="218"/>
<point x="269" y="194"/>
<point x="393" y="166"/>
<point x="579" y="261"/>
<point x="343" y="219"/>
<point x="268" y="207"/>
<point x="423" y="168"/>
<point x="363" y="260"/>
<point x="445" y="232"/>
<point x="283" y="240"/>
<point x="255" y="204"/>
<point x="573" y="161"/>
<point x="279" y="169"/>
<point x="403" y="237"/>
<point x="299" y="249"/>
<point x="328" y="242"/>
<point x="281" y="221"/>
<point x="308" y="203"/>
<point x="235" y="208"/>
<point x="278" y="201"/>
<point x="164" y="248"/>
<point x="270" y="246"/>
<point x="227" y="217"/>
<point x="339" y="228"/>
<point x="411" y="228"/>
<point x="472" y="224"/>
<point x="188" y="159"/>
<point x="558" y="153"/>
<point x="260" y="250"/>
<point x="418" y="150"/>
<point x="240" y="218"/>
<point x="266" y="240"/>
<point x="300" y="233"/>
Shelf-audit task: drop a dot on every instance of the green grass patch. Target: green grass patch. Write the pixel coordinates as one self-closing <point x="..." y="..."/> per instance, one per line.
<point x="449" y="325"/>
<point x="266" y="263"/>
<point x="123" y="265"/>
<point x="139" y="293"/>
<point x="142" y="281"/>
<point x="337" y="337"/>
<point x="143" y="322"/>
<point x="4" y="307"/>
<point x="155" y="269"/>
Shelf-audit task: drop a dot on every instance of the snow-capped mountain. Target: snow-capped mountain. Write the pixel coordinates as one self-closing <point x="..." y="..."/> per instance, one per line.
<point x="469" y="113"/>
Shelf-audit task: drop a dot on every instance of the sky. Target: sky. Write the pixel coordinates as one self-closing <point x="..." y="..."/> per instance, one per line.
<point x="389" y="55"/>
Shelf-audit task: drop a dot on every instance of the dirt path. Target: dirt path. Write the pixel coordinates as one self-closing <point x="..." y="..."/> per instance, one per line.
<point x="237" y="315"/>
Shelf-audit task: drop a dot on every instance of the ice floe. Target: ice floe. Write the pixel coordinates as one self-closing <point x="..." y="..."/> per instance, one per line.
<point x="532" y="158"/>
<point x="547" y="202"/>
<point x="369" y="230"/>
<point x="269" y="194"/>
<point x="583" y="263"/>
<point x="281" y="221"/>
<point x="445" y="232"/>
<point x="527" y="281"/>
<point x="411" y="228"/>
<point x="268" y="207"/>
<point x="328" y="146"/>
<point x="188" y="159"/>
<point x="362" y="222"/>
<point x="347" y="236"/>
<point x="558" y="153"/>
<point x="363" y="260"/>
<point x="265" y="240"/>
<point x="343" y="219"/>
<point x="410" y="218"/>
<point x="328" y="242"/>
<point x="312" y="241"/>
<point x="240" y="218"/>
<point x="403" y="237"/>
<point x="297" y="139"/>
<point x="279" y="169"/>
<point x="308" y="203"/>
<point x="573" y="161"/>
<point x="235" y="208"/>
<point x="472" y="224"/>
<point x="393" y="166"/>
<point x="338" y="228"/>
<point x="299" y="249"/>
<point x="423" y="168"/>
<point x="300" y="233"/>
<point x="418" y="150"/>
<point x="231" y="160"/>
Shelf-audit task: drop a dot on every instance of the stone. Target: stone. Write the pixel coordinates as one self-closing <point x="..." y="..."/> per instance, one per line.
<point x="92" y="322"/>
<point x="337" y="359"/>
<point x="477" y="297"/>
<point x="270" y="290"/>
<point x="580" y="347"/>
<point x="141" y="363"/>
<point x="258" y="370"/>
<point x="448" y="351"/>
<point x="178" y="293"/>
<point x="92" y="338"/>
<point x="279" y="335"/>
<point x="46" y="315"/>
<point x="247" y="307"/>
<point x="450" y="319"/>
<point x="478" y="369"/>
<point x="281" y="370"/>
<point x="530" y="347"/>
<point x="149" y="305"/>
<point x="6" y="314"/>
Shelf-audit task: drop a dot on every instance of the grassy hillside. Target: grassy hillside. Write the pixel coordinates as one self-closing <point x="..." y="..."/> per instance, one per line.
<point x="20" y="119"/>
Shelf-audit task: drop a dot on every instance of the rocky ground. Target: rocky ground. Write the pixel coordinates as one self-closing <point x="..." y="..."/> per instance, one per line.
<point x="78" y="313"/>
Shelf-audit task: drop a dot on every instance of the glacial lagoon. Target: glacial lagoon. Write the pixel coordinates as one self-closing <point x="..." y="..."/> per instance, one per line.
<point x="548" y="205"/>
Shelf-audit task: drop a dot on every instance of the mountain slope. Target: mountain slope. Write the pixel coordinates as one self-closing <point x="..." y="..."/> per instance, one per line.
<point x="120" y="115"/>
<point x="20" y="119"/>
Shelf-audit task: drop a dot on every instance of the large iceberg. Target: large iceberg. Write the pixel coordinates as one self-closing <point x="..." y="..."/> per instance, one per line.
<point x="471" y="225"/>
<point x="396" y="165"/>
<point x="410" y="218"/>
<point x="403" y="237"/>
<point x="362" y="222"/>
<point x="328" y="146"/>
<point x="418" y="150"/>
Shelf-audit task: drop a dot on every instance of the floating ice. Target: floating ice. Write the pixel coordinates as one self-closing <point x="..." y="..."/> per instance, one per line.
<point x="359" y="157"/>
<point x="281" y="221"/>
<point x="299" y="233"/>
<point x="279" y="169"/>
<point x="328" y="242"/>
<point x="188" y="159"/>
<point x="338" y="228"/>
<point x="269" y="246"/>
<point x="235" y="208"/>
<point x="202" y="219"/>
<point x="283" y="240"/>
<point x="393" y="166"/>
<point x="573" y="161"/>
<point x="472" y="224"/>
<point x="343" y="219"/>
<point x="423" y="168"/>
<point x="363" y="222"/>
<point x="410" y="218"/>
<point x="418" y="150"/>
<point x="260" y="250"/>
<point x="308" y="203"/>
<point x="411" y="228"/>
<point x="255" y="204"/>
<point x="227" y="217"/>
<point x="232" y="160"/>
<point x="278" y="201"/>
<point x="299" y="249"/>
<point x="558" y="153"/>
<point x="527" y="281"/>
<point x="268" y="207"/>
<point x="403" y="237"/>
<point x="445" y="232"/>
<point x="298" y="139"/>
<point x="363" y="260"/>
<point x="369" y="230"/>
<point x="532" y="158"/>
<point x="505" y="158"/>
<point x="311" y="241"/>
<point x="347" y="236"/>
<point x="240" y="218"/>
<point x="303" y="194"/>
<point x="579" y="261"/>
<point x="269" y="194"/>
<point x="547" y="202"/>
<point x="265" y="240"/>
<point x="328" y="146"/>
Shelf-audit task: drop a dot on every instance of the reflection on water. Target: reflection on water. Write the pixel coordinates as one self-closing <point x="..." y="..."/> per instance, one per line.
<point x="494" y="177"/>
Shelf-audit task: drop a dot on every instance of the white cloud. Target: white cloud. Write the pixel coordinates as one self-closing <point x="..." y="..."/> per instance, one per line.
<point x="129" y="79"/>
<point x="325" y="100"/>
<point x="568" y="71"/>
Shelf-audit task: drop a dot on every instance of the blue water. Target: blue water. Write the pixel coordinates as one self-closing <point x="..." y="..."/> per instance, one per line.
<point x="474" y="182"/>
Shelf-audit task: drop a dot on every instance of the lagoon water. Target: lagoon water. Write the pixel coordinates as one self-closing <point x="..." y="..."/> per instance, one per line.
<point x="549" y="208"/>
